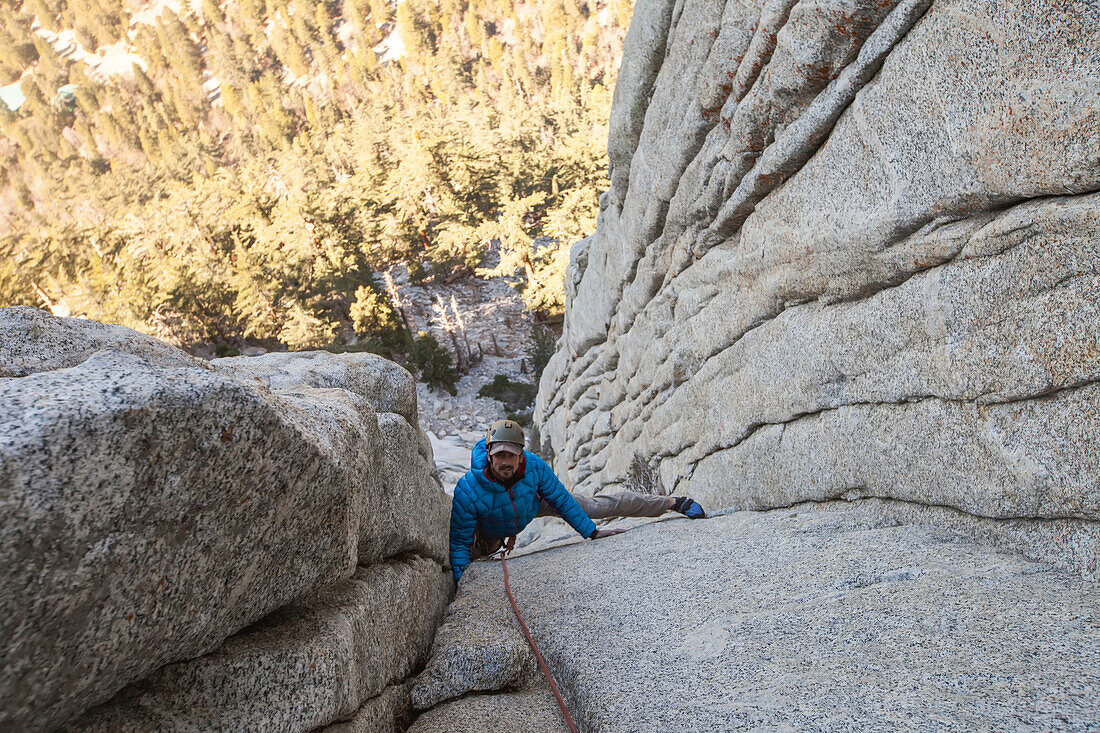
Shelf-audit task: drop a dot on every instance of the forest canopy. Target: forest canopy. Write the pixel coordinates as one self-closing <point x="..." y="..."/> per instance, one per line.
<point x="214" y="172"/>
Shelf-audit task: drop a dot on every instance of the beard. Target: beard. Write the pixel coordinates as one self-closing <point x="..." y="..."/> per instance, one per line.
<point x="502" y="471"/>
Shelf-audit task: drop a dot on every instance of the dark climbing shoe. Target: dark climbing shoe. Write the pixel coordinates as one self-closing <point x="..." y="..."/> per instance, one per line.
<point x="689" y="508"/>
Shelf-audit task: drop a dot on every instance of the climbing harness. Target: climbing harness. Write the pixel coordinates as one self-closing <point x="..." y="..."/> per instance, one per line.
<point x="530" y="640"/>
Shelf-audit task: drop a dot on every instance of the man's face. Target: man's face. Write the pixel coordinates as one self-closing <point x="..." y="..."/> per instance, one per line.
<point x="505" y="464"/>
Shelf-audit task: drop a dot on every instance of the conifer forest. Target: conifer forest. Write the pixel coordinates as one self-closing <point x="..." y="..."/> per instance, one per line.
<point x="231" y="171"/>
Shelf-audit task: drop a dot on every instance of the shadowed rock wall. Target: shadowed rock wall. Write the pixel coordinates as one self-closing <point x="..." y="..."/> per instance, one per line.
<point x="851" y="250"/>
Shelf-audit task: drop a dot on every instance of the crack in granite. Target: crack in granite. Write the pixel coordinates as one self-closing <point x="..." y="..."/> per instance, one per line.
<point x="754" y="427"/>
<point x="853" y="81"/>
<point x="871" y="290"/>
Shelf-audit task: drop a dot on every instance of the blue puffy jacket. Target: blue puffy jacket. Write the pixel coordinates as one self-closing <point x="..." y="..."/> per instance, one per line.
<point x="495" y="511"/>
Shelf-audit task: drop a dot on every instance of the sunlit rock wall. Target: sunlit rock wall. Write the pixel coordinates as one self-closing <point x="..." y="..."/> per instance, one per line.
<point x="244" y="544"/>
<point x="851" y="250"/>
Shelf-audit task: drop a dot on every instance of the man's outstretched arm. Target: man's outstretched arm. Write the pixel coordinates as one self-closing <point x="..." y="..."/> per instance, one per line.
<point x="552" y="490"/>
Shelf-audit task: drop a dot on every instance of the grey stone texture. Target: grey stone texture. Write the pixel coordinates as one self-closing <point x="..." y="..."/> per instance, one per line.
<point x="478" y="648"/>
<point x="816" y="618"/>
<point x="415" y="515"/>
<point x="152" y="505"/>
<point x="405" y="514"/>
<point x="850" y="250"/>
<point x="532" y="710"/>
<point x="306" y="665"/>
<point x="32" y="341"/>
<point x="387" y="386"/>
<point x="383" y="713"/>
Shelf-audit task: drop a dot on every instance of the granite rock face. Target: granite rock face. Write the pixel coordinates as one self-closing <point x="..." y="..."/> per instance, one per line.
<point x="532" y="710"/>
<point x="406" y="515"/>
<point x="416" y="515"/>
<point x="32" y="341"/>
<point x="478" y="648"/>
<point x="481" y="673"/>
<point x="813" y="618"/>
<point x="850" y="250"/>
<point x="381" y="714"/>
<point x="309" y="663"/>
<point x="152" y="505"/>
<point x="387" y="386"/>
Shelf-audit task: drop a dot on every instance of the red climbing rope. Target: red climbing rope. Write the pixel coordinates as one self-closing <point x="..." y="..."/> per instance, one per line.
<point x="535" y="649"/>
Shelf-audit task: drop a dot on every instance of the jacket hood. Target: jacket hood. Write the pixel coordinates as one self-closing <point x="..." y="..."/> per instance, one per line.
<point x="479" y="457"/>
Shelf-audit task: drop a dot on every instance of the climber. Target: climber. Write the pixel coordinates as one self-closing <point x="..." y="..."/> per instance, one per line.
<point x="507" y="486"/>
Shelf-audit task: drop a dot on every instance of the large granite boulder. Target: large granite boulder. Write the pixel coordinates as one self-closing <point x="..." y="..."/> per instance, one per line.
<point x="151" y="505"/>
<point x="850" y="250"/>
<point x="416" y="514"/>
<point x="387" y="386"/>
<point x="332" y="656"/>
<point x="32" y="341"/>
<point x="479" y="648"/>
<point x="408" y="510"/>
<point x="812" y="618"/>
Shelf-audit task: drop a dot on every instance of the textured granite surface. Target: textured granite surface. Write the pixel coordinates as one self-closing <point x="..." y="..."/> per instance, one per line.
<point x="151" y="505"/>
<point x="32" y="341"/>
<point x="415" y="515"/>
<point x="531" y="710"/>
<point x="850" y="248"/>
<point x="387" y="386"/>
<point x="306" y="665"/>
<point x="810" y="619"/>
<point x="383" y="713"/>
<point x="478" y="648"/>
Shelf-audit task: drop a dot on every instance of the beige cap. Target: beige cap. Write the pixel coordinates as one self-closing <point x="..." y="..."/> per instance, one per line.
<point x="502" y="446"/>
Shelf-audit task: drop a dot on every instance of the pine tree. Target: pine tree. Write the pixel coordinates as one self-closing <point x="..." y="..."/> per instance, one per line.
<point x="15" y="57"/>
<point x="381" y="11"/>
<point x="212" y="13"/>
<point x="416" y="34"/>
<point x="180" y="50"/>
<point x="437" y="163"/>
<point x="144" y="83"/>
<point x="46" y="11"/>
<point x="231" y="102"/>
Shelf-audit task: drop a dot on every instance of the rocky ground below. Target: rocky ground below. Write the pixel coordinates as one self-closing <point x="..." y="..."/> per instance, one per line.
<point x="809" y="618"/>
<point x="487" y="319"/>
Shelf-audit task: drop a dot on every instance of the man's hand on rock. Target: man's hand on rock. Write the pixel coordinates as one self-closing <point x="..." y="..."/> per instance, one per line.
<point x="604" y="533"/>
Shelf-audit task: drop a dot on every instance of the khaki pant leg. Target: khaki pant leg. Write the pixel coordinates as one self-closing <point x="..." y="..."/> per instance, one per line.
<point x="622" y="504"/>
